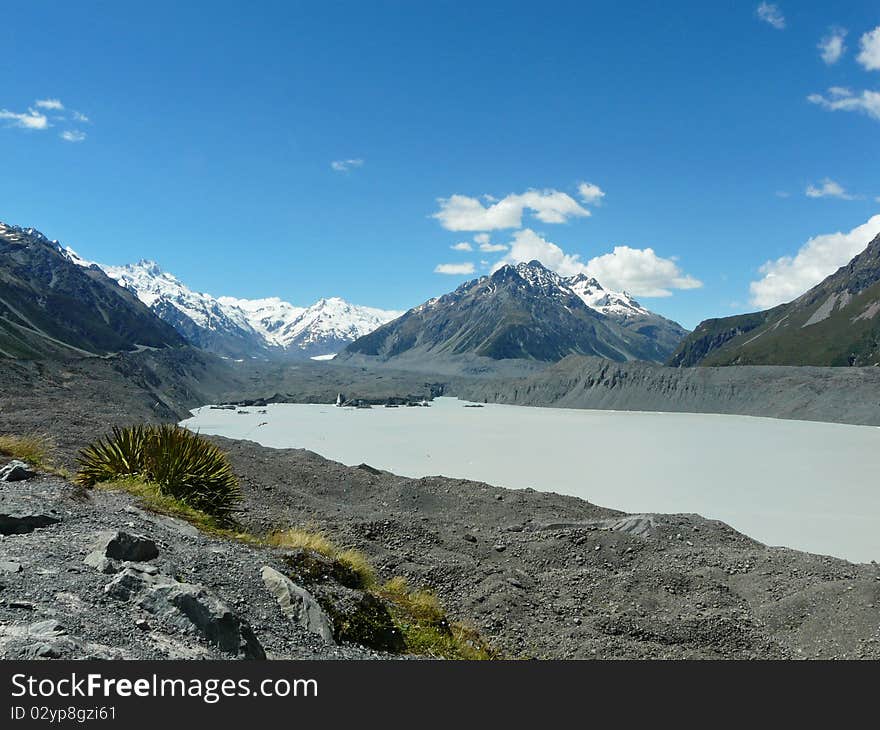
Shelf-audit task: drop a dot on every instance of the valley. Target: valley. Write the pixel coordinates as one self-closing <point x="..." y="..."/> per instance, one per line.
<point x="508" y="512"/>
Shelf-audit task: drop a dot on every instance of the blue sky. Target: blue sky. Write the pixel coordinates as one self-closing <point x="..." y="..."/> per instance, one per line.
<point x="213" y="128"/>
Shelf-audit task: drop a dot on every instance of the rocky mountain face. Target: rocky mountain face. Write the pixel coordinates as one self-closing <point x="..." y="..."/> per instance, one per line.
<point x="523" y="312"/>
<point x="627" y="312"/>
<point x="834" y="323"/>
<point x="200" y="318"/>
<point x="246" y="328"/>
<point x="52" y="305"/>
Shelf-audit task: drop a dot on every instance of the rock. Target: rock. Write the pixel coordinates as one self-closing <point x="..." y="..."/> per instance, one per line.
<point x="469" y="538"/>
<point x="297" y="603"/>
<point x="358" y="617"/>
<point x="500" y="547"/>
<point x="183" y="603"/>
<point x="187" y="606"/>
<point x="16" y="471"/>
<point x="119" y="545"/>
<point x="143" y="568"/>
<point x="100" y="562"/>
<point x="22" y="522"/>
<point x="9" y="566"/>
<point x="127" y="584"/>
<point x="49" y="640"/>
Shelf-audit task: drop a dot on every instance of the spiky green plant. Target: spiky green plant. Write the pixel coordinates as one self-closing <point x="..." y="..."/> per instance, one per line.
<point x="193" y="470"/>
<point x="121" y="454"/>
<point x="181" y="463"/>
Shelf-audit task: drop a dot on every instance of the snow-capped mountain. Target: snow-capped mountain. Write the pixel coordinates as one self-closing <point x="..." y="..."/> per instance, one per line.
<point x="203" y="320"/>
<point x="242" y="328"/>
<point x="623" y="309"/>
<point x="610" y="303"/>
<point x="526" y="312"/>
<point x="321" y="329"/>
<point x="267" y="316"/>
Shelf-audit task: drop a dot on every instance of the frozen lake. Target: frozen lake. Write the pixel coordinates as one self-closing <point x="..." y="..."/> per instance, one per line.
<point x="811" y="486"/>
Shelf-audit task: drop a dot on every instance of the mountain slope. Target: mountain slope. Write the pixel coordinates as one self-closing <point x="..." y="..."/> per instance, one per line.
<point x="834" y="323"/>
<point x="200" y="318"/>
<point x="519" y="312"/>
<point x="629" y="314"/>
<point x="51" y="305"/>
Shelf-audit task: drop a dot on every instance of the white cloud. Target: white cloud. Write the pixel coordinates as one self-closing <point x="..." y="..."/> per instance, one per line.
<point x="869" y="56"/>
<point x="455" y="269"/>
<point x="591" y="194"/>
<point x="829" y="189"/>
<point x="463" y="246"/>
<point x="463" y="213"/>
<point x="492" y="247"/>
<point x="482" y="238"/>
<point x="80" y="117"/>
<point x="840" y="99"/>
<point x="73" y="135"/>
<point x="832" y="46"/>
<point x="27" y="120"/>
<point x="638" y="271"/>
<point x="52" y="104"/>
<point x="790" y="276"/>
<point x="346" y="165"/>
<point x="770" y="13"/>
<point x="528" y="245"/>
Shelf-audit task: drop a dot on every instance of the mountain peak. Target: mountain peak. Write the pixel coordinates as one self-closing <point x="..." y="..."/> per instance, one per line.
<point x="148" y="266"/>
<point x="585" y="279"/>
<point x="247" y="327"/>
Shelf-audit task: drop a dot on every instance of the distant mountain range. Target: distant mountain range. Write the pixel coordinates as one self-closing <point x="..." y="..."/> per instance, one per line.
<point x="834" y="323"/>
<point x="525" y="312"/>
<point x="54" y="303"/>
<point x="241" y="328"/>
<point x="51" y="307"/>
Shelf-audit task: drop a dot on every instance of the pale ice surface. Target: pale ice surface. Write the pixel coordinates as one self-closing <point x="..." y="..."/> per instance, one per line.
<point x="810" y="486"/>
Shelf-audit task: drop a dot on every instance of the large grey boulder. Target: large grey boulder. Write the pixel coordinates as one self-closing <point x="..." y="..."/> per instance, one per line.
<point x="297" y="603"/>
<point x="119" y="545"/>
<point x="16" y="471"/>
<point x="186" y="606"/>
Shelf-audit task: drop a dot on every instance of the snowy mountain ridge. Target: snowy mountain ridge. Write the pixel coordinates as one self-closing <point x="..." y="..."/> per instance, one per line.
<point x="610" y="303"/>
<point x="237" y="327"/>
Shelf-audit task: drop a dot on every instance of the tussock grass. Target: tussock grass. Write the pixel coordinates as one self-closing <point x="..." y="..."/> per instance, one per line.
<point x="422" y="606"/>
<point x="426" y="629"/>
<point x="181" y="464"/>
<point x="300" y="538"/>
<point x="458" y="642"/>
<point x="35" y="449"/>
<point x="360" y="564"/>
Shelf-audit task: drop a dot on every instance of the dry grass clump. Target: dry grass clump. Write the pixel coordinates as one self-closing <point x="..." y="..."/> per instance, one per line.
<point x="426" y="629"/>
<point x="35" y="449"/>
<point x="300" y="538"/>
